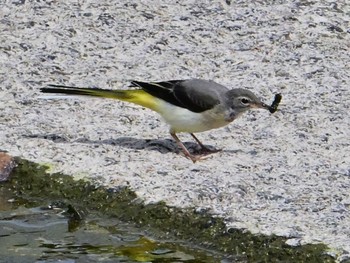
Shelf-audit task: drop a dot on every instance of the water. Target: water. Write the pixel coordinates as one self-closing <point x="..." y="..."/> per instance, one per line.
<point x="50" y="234"/>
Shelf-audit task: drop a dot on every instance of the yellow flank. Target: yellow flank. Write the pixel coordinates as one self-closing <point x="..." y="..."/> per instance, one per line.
<point x="138" y="96"/>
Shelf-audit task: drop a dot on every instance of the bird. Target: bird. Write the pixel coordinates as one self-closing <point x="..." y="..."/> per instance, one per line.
<point x="187" y="106"/>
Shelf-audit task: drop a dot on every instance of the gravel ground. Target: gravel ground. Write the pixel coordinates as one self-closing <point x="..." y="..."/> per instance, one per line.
<point x="286" y="173"/>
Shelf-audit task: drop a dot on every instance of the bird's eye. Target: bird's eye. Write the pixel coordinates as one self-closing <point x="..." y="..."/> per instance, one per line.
<point x="245" y="101"/>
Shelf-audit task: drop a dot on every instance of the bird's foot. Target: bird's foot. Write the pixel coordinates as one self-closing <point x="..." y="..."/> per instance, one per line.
<point x="198" y="157"/>
<point x="202" y="155"/>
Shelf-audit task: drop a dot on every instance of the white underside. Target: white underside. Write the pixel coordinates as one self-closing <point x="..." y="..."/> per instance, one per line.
<point x="183" y="120"/>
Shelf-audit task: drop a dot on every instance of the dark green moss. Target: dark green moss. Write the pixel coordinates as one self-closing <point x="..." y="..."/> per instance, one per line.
<point x="31" y="182"/>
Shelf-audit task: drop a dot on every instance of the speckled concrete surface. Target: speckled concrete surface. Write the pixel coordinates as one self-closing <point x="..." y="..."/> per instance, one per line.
<point x="286" y="173"/>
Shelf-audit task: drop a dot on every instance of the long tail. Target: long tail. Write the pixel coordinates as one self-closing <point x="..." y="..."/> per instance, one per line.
<point x="137" y="96"/>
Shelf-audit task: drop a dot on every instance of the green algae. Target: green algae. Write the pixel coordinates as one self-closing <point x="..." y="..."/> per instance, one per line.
<point x="31" y="182"/>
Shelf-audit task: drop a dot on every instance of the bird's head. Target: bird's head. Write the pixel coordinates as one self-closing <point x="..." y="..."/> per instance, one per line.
<point x="241" y="100"/>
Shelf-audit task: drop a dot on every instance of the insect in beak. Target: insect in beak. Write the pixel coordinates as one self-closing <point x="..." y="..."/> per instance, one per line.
<point x="273" y="107"/>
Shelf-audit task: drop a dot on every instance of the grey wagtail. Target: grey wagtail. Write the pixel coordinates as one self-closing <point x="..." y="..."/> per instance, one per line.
<point x="190" y="106"/>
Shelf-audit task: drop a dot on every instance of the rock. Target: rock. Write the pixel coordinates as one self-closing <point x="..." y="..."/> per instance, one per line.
<point x="7" y="163"/>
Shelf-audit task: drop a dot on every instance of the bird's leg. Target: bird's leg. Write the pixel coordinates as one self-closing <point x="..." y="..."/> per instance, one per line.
<point x="203" y="147"/>
<point x="194" y="158"/>
<point x="199" y="142"/>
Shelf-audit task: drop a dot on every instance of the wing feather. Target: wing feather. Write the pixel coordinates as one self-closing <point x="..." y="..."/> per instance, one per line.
<point x="195" y="95"/>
